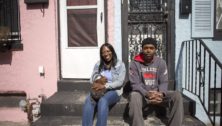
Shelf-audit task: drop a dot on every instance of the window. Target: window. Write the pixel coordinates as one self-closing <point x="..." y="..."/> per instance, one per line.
<point x="82" y="23"/>
<point x="207" y="19"/>
<point x="9" y="22"/>
<point x="215" y="105"/>
<point x="202" y="18"/>
<point x="82" y="27"/>
<point x="218" y="20"/>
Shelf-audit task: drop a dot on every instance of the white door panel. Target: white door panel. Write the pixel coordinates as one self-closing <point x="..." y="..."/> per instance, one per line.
<point x="78" y="62"/>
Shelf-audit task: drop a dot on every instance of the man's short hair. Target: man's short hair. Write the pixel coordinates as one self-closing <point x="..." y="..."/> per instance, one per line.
<point x="149" y="41"/>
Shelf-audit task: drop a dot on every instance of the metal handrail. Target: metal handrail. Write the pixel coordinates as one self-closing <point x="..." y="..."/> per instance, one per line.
<point x="202" y="76"/>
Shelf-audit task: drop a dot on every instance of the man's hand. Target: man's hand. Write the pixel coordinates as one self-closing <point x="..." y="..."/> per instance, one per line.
<point x="155" y="97"/>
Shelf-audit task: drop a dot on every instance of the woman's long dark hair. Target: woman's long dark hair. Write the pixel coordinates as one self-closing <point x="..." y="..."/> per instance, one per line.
<point x="114" y="57"/>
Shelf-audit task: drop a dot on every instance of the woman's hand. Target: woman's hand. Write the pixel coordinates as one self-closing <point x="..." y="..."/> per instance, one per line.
<point x="98" y="86"/>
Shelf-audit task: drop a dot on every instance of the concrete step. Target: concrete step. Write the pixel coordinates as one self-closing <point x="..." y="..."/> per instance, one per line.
<point x="72" y="121"/>
<point x="112" y="121"/>
<point x="66" y="103"/>
<point x="71" y="103"/>
<point x="64" y="108"/>
<point x="73" y="85"/>
<point x="189" y="106"/>
<point x="70" y="85"/>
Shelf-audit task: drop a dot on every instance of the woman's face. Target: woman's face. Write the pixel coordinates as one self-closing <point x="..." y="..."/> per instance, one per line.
<point x="106" y="54"/>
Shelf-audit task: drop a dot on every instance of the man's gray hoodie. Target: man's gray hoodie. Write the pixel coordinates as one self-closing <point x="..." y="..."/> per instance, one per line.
<point x="147" y="77"/>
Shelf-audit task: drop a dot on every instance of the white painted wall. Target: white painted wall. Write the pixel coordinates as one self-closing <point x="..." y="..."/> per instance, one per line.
<point x="117" y="28"/>
<point x="183" y="32"/>
<point x="114" y="26"/>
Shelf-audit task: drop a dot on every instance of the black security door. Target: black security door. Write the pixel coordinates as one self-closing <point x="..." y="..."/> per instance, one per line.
<point x="149" y="18"/>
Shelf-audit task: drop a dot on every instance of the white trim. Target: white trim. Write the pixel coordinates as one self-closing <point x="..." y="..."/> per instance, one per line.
<point x="117" y="28"/>
<point x="81" y="7"/>
<point x="100" y="24"/>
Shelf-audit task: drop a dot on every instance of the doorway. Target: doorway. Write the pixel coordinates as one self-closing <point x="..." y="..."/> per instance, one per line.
<point x="149" y="18"/>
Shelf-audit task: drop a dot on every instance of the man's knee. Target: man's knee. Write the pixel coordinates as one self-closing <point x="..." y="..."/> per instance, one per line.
<point x="135" y="103"/>
<point x="175" y="95"/>
<point x="135" y="100"/>
<point x="135" y="94"/>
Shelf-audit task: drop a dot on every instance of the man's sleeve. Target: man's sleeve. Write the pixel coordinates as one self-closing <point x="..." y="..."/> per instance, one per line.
<point x="163" y="77"/>
<point x="136" y="79"/>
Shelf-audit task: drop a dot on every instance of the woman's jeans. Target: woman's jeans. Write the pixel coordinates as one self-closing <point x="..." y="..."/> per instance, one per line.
<point x="109" y="99"/>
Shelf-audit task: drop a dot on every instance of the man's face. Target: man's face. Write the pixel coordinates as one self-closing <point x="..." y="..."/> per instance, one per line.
<point x="149" y="51"/>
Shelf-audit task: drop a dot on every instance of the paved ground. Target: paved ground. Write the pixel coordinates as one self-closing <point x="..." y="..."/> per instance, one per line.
<point x="152" y="121"/>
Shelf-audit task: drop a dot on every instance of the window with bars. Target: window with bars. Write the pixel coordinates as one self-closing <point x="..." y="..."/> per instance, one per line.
<point x="9" y="21"/>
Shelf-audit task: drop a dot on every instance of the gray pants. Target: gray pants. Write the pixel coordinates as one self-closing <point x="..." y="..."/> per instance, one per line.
<point x="172" y="104"/>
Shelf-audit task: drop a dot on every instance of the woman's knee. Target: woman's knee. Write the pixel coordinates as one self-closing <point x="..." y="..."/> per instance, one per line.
<point x="102" y="103"/>
<point x="88" y="100"/>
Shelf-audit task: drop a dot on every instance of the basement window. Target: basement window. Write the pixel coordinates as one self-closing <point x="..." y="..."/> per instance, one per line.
<point x="10" y="24"/>
<point x="215" y="101"/>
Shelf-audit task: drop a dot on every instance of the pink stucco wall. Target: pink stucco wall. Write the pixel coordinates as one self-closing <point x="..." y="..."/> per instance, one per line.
<point x="110" y="21"/>
<point x="19" y="69"/>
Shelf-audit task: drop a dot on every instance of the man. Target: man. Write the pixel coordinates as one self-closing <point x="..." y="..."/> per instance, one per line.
<point x="149" y="82"/>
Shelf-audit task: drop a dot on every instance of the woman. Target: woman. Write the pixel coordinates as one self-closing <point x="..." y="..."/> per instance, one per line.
<point x="114" y="71"/>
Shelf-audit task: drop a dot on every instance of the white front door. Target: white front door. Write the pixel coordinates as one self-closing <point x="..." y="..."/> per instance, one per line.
<point x="81" y="35"/>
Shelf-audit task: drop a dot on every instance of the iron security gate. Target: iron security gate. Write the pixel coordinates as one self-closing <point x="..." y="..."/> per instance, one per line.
<point x="147" y="18"/>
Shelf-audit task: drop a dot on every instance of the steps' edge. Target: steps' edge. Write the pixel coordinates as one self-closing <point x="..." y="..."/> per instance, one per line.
<point x="72" y="121"/>
<point x="76" y="109"/>
<point x="112" y="120"/>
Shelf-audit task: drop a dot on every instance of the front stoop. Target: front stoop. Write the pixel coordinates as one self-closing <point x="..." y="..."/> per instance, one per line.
<point x="64" y="108"/>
